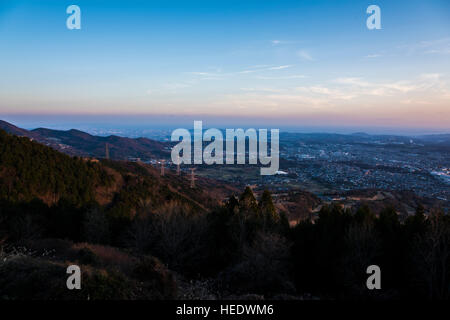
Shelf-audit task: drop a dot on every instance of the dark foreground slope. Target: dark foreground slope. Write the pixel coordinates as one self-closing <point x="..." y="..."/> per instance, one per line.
<point x="57" y="210"/>
<point x="138" y="235"/>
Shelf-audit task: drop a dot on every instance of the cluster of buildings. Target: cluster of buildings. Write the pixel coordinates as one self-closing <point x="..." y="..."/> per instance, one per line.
<point x="368" y="166"/>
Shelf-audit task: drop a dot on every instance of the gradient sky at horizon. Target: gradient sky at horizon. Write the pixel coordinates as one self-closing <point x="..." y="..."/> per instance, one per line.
<point x="292" y="63"/>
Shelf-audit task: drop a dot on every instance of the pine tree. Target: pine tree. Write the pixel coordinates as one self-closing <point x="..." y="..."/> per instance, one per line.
<point x="268" y="211"/>
<point x="247" y="203"/>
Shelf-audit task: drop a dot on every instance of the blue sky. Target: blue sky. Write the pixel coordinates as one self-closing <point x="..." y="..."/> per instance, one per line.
<point x="291" y="63"/>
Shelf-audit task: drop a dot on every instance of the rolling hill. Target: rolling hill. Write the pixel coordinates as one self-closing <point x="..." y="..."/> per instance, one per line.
<point x="78" y="143"/>
<point x="30" y="170"/>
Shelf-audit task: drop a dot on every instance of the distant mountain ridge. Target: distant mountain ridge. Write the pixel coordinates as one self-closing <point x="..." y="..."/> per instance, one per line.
<point x="12" y="129"/>
<point x="78" y="143"/>
<point x="362" y="137"/>
<point x="436" y="138"/>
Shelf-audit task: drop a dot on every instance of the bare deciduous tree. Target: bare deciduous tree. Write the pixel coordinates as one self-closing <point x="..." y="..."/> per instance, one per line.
<point x="432" y="256"/>
<point x="362" y="248"/>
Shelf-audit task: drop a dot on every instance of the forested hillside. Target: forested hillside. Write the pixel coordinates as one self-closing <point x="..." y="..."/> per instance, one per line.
<point x="138" y="235"/>
<point x="30" y="170"/>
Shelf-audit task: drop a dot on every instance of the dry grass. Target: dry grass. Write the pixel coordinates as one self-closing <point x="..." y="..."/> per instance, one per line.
<point x="109" y="256"/>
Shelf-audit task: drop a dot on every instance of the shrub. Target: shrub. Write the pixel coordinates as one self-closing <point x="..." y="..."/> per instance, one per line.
<point x="27" y="278"/>
<point x="263" y="268"/>
<point x="156" y="277"/>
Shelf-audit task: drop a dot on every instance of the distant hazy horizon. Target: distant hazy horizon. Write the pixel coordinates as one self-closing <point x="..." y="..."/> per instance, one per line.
<point x="157" y="122"/>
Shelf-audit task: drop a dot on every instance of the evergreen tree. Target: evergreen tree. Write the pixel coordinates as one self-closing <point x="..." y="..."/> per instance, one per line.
<point x="247" y="202"/>
<point x="268" y="211"/>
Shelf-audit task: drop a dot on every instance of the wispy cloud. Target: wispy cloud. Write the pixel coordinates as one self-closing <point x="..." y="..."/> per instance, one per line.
<point x="259" y="66"/>
<point x="436" y="46"/>
<point x="424" y="82"/>
<point x="352" y="81"/>
<point x="346" y="93"/>
<point x="210" y="75"/>
<point x="295" y="76"/>
<point x="202" y="73"/>
<point x="262" y="90"/>
<point x="303" y="54"/>
<point x="251" y="69"/>
<point x="174" y="86"/>
<point x="265" y="69"/>
<point x="439" y="51"/>
<point x="281" y="42"/>
<point x="327" y="92"/>
<point x="279" y="67"/>
<point x="371" y="56"/>
<point x="247" y="71"/>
